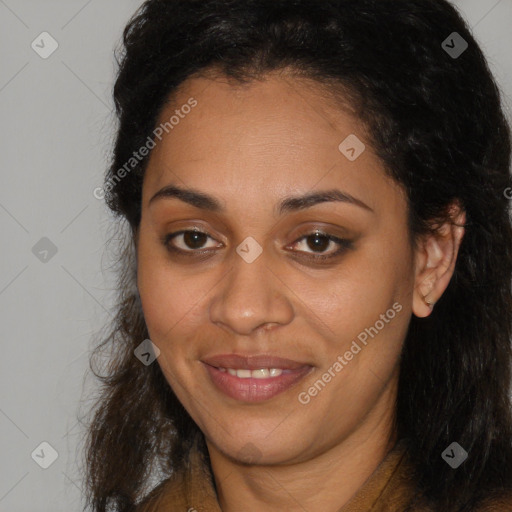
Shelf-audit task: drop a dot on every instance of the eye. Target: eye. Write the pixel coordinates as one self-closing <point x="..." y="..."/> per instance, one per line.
<point x="191" y="241"/>
<point x="320" y="242"/>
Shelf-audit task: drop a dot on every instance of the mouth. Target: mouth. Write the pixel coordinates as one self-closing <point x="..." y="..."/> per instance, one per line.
<point x="255" y="378"/>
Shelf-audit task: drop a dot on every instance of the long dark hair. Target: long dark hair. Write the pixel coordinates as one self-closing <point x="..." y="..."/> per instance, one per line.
<point x="435" y="120"/>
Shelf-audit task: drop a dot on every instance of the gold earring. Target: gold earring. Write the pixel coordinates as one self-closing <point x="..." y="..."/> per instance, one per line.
<point x="428" y="302"/>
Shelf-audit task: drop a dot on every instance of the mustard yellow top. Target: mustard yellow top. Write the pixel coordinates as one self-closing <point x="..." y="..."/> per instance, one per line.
<point x="390" y="488"/>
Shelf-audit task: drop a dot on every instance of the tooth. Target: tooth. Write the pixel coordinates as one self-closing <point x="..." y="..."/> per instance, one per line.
<point x="264" y="373"/>
<point x="260" y="373"/>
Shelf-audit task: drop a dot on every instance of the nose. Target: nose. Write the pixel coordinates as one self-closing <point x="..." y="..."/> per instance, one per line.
<point x="251" y="296"/>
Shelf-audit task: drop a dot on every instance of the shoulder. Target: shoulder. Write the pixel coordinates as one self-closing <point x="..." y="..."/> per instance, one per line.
<point x="190" y="483"/>
<point x="150" y="501"/>
<point x="154" y="500"/>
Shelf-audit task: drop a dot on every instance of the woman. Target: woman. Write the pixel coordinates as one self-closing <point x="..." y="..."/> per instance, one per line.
<point x="315" y="306"/>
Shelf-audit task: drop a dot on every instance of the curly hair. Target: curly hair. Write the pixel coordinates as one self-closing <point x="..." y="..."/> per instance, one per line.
<point x="437" y="124"/>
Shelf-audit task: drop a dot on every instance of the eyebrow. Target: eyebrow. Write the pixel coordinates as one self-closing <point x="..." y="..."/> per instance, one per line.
<point x="287" y="205"/>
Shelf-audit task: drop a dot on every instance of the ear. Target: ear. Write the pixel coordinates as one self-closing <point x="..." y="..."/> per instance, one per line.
<point x="435" y="260"/>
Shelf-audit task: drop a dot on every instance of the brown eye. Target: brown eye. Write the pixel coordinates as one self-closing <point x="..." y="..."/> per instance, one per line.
<point x="315" y="245"/>
<point x="186" y="241"/>
<point x="319" y="243"/>
<point x="194" y="239"/>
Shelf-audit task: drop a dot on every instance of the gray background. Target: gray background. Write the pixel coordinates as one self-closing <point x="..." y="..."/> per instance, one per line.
<point x="56" y="132"/>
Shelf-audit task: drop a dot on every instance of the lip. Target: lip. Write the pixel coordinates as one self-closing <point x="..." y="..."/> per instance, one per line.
<point x="254" y="390"/>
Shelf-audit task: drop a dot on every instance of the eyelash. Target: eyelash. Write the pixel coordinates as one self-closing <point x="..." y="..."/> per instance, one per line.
<point x="197" y="253"/>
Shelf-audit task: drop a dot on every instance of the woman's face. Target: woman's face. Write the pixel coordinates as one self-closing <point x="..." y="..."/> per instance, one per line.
<point x="248" y="282"/>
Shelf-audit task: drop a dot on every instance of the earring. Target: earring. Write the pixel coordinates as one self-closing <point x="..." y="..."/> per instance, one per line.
<point x="428" y="302"/>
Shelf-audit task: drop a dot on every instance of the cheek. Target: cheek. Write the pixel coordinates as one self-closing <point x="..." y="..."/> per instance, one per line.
<point x="365" y="285"/>
<point x="167" y="299"/>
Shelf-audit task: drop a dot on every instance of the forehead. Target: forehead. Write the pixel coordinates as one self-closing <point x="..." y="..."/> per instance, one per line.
<point x="278" y="110"/>
<point x="266" y="138"/>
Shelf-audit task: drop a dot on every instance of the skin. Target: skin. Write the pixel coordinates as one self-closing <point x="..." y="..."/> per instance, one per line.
<point x="250" y="147"/>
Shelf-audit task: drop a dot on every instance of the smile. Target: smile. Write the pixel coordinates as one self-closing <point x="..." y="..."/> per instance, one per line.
<point x="262" y="373"/>
<point x="255" y="385"/>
